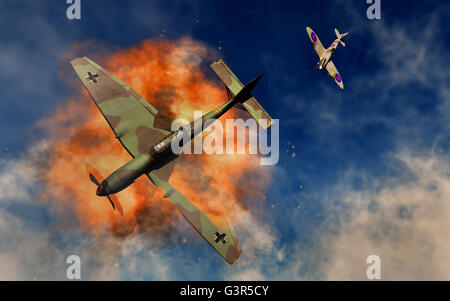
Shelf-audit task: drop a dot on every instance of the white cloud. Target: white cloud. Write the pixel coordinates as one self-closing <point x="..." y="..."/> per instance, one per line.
<point x="406" y="224"/>
<point x="27" y="253"/>
<point x="404" y="221"/>
<point x="17" y="176"/>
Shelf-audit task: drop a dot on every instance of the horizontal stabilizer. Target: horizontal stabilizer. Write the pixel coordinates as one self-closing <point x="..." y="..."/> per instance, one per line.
<point x="234" y="86"/>
<point x="340" y="36"/>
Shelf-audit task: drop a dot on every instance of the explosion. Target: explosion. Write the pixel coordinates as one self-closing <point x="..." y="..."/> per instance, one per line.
<point x="171" y="76"/>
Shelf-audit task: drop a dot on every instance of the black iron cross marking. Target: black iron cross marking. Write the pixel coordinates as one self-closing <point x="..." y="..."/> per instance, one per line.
<point x="92" y="77"/>
<point x="220" y="237"/>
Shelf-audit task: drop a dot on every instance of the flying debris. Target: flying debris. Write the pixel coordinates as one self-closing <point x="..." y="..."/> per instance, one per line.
<point x="132" y="119"/>
<point x="326" y="54"/>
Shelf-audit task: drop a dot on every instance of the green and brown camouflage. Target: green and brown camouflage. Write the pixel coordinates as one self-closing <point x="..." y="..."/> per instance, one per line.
<point x="132" y="119"/>
<point x="326" y="54"/>
<point x="234" y="86"/>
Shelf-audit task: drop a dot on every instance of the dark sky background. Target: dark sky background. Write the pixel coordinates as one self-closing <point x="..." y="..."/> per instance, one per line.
<point x="354" y="147"/>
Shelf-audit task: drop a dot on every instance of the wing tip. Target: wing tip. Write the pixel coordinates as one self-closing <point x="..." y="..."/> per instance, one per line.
<point x="265" y="123"/>
<point x="76" y="61"/>
<point x="233" y="253"/>
<point x="80" y="61"/>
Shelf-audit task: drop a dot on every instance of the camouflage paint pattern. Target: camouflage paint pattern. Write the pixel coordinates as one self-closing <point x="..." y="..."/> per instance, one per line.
<point x="229" y="247"/>
<point x="234" y="85"/>
<point x="130" y="116"/>
<point x="132" y="119"/>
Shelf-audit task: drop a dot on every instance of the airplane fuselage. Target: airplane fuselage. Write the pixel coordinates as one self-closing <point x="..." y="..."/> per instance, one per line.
<point x="327" y="54"/>
<point x="161" y="152"/>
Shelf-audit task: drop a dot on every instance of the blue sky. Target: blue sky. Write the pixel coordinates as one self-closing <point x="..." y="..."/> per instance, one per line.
<point x="373" y="159"/>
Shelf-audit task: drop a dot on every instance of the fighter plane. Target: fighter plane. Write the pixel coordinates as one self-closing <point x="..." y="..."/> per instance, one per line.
<point x="132" y="119"/>
<point x="326" y="54"/>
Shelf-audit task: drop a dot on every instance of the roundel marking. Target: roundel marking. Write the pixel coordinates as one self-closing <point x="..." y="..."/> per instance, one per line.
<point x="313" y="36"/>
<point x="338" y="77"/>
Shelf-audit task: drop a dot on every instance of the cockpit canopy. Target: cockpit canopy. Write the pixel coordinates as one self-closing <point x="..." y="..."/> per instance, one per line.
<point x="164" y="145"/>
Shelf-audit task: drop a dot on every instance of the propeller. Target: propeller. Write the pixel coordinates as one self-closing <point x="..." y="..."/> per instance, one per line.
<point x="97" y="179"/>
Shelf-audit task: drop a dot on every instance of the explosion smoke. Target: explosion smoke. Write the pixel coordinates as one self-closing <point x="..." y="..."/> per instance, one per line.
<point x="169" y="75"/>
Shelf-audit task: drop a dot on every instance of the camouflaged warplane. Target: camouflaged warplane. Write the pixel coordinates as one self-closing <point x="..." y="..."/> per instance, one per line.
<point x="132" y="119"/>
<point x="326" y="54"/>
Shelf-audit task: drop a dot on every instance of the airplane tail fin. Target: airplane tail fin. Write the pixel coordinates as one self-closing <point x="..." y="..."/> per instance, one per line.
<point x="340" y="36"/>
<point x="234" y="87"/>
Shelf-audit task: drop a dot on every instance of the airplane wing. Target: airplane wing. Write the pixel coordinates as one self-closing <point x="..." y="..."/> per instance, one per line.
<point x="221" y="237"/>
<point x="129" y="115"/>
<point x="132" y="118"/>
<point x="335" y="74"/>
<point x="318" y="47"/>
<point x="234" y="85"/>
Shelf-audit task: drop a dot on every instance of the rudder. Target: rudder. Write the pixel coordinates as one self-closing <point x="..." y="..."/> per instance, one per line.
<point x="234" y="85"/>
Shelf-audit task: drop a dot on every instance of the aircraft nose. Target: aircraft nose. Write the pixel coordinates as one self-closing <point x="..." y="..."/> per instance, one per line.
<point x="100" y="191"/>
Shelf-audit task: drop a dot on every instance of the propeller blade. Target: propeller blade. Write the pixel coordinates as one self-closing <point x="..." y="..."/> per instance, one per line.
<point x="93" y="179"/>
<point x="93" y="173"/>
<point x="97" y="178"/>
<point x="112" y="203"/>
<point x="115" y="203"/>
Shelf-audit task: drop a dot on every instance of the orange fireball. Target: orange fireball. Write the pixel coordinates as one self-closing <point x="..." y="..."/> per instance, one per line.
<point x="170" y="76"/>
